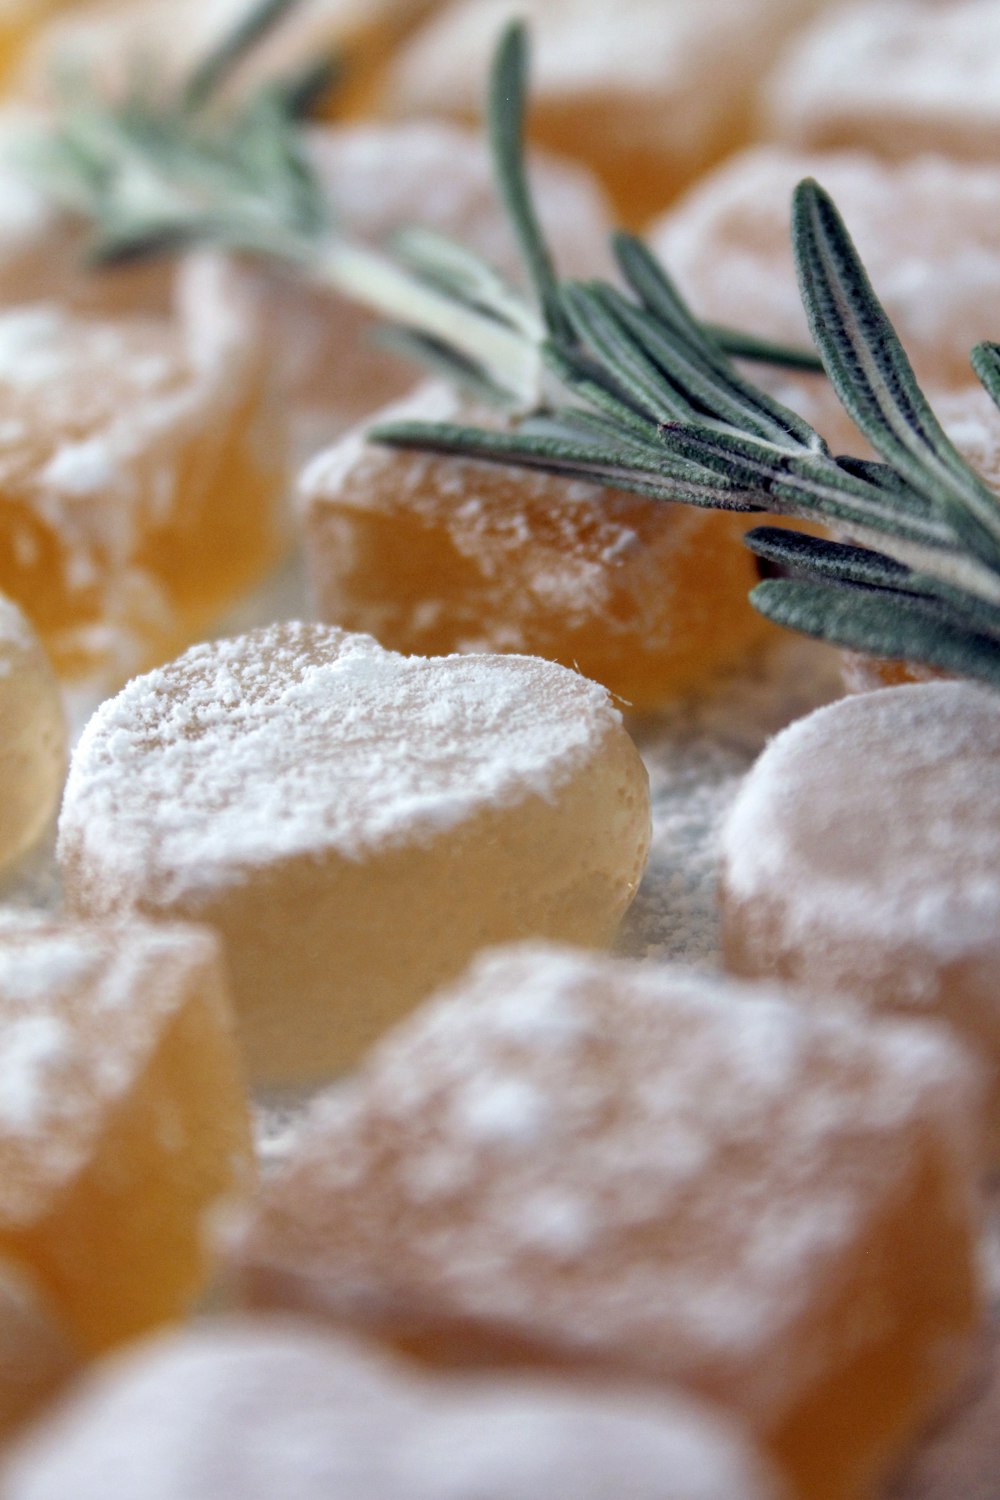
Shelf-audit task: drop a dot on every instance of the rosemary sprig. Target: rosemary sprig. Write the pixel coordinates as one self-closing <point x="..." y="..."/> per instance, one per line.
<point x="649" y="400"/>
<point x="625" y="387"/>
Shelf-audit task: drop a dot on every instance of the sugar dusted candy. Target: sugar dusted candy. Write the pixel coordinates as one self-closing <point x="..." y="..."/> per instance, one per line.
<point x="577" y="1161"/>
<point x="442" y="554"/>
<point x="138" y="490"/>
<point x="122" y="1117"/>
<point x="894" y="77"/>
<point x="355" y="824"/>
<point x="647" y="92"/>
<point x="861" y="856"/>
<point x="32" y="736"/>
<point x="258" y="1409"/>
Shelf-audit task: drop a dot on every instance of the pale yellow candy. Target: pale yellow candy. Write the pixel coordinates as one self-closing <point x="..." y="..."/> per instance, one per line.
<point x="257" y="1409"/>
<point x="355" y="824"/>
<point x="574" y="1161"/>
<point x="861" y="856"/>
<point x="123" y="1122"/>
<point x="895" y="77"/>
<point x="32" y="736"/>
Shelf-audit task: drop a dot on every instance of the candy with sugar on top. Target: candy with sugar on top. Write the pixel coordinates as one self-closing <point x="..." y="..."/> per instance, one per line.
<point x="254" y="1409"/>
<point x="861" y="856"/>
<point x="123" y="1120"/>
<point x="437" y="554"/>
<point x="354" y="823"/>
<point x="584" y="1162"/>
<point x="137" y="493"/>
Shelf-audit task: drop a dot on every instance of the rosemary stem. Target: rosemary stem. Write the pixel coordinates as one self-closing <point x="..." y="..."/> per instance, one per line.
<point x="510" y="357"/>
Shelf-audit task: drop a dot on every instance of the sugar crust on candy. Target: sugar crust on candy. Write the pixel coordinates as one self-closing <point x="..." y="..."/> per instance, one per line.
<point x="217" y="761"/>
<point x="878" y="817"/>
<point x="251" y="1410"/>
<point x="565" y="1157"/>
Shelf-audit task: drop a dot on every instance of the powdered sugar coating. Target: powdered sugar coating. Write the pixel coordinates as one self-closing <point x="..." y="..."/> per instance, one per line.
<point x="253" y="1410"/>
<point x="618" y="1163"/>
<point x="82" y="1009"/>
<point x="301" y="737"/>
<point x="896" y="76"/>
<point x="877" y="818"/>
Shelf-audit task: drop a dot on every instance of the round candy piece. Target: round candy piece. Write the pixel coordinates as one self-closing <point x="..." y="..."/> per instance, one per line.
<point x="861" y="856"/>
<point x="256" y="1409"/>
<point x="32" y="736"/>
<point x="356" y="824"/>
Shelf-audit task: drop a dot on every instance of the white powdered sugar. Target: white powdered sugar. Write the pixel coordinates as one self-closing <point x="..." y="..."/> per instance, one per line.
<point x="301" y="738"/>
<point x="674" y="1179"/>
<point x="262" y="1408"/>
<point x="80" y="1010"/>
<point x="878" y="816"/>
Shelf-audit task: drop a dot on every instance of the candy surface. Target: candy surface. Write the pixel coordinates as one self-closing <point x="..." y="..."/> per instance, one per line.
<point x="32" y="736"/>
<point x="122" y="1117"/>
<point x="894" y="77"/>
<point x="594" y="1164"/>
<point x="255" y="1409"/>
<point x="647" y="92"/>
<point x="354" y="823"/>
<point x="861" y="856"/>
<point x="440" y="554"/>
<point x="137" y="491"/>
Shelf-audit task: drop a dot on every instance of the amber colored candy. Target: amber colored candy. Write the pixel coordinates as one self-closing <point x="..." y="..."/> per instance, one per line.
<point x="596" y="1164"/>
<point x="647" y="92"/>
<point x="355" y="824"/>
<point x="861" y="856"/>
<point x="381" y="178"/>
<point x="122" y="1117"/>
<point x="253" y="1409"/>
<point x="139" y="494"/>
<point x="36" y="1355"/>
<point x="434" y="555"/>
<point x="897" y="79"/>
<point x="32" y="736"/>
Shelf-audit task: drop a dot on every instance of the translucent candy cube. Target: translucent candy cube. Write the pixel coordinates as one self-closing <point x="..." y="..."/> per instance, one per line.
<point x="381" y="178"/>
<point x="32" y="736"/>
<point x="861" y="856"/>
<point x="927" y="231"/>
<point x="441" y="554"/>
<point x="647" y="92"/>
<point x="896" y="77"/>
<point x="588" y="1163"/>
<point x="140" y="480"/>
<point x="355" y="824"/>
<point x="122" y="1117"/>
<point x="36" y="1355"/>
<point x="254" y="1409"/>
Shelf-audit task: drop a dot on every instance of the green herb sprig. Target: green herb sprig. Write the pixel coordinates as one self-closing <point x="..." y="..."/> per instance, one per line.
<point x="620" y="385"/>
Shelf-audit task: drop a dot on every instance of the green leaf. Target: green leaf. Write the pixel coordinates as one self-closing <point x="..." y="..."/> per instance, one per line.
<point x="505" y="119"/>
<point x="212" y="72"/>
<point x="874" y="379"/>
<point x="893" y="626"/>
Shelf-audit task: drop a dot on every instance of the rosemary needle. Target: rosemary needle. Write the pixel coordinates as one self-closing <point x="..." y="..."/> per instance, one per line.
<point x="622" y="386"/>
